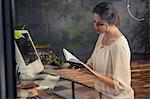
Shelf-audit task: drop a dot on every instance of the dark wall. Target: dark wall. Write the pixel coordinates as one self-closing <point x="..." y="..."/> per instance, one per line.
<point x="68" y="23"/>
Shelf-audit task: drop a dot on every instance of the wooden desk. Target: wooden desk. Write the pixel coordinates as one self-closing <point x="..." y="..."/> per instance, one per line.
<point x="78" y="77"/>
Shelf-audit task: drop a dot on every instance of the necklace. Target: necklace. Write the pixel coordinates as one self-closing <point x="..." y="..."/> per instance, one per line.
<point x="102" y="46"/>
<point x="108" y="42"/>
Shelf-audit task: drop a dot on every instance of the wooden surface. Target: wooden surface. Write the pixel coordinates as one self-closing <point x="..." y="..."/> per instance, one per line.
<point x="140" y="72"/>
<point x="73" y="75"/>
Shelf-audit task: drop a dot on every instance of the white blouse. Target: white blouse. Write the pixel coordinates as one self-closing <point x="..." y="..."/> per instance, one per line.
<point x="113" y="61"/>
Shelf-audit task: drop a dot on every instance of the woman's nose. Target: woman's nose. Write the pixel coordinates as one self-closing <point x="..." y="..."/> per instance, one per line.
<point x="96" y="27"/>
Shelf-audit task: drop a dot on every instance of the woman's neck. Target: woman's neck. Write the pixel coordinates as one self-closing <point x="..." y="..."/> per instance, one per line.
<point x="111" y="36"/>
<point x="113" y="32"/>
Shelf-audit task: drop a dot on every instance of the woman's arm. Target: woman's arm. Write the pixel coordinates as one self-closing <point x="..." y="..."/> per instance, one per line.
<point x="105" y="79"/>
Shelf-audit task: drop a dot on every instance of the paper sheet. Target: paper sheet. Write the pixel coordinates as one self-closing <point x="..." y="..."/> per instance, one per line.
<point x="70" y="57"/>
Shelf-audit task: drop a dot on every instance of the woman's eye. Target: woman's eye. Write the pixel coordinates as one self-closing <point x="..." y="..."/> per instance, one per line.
<point x="101" y="24"/>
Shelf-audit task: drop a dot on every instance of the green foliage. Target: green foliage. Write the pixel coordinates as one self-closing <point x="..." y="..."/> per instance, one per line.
<point x="18" y="35"/>
<point x="49" y="57"/>
<point x="59" y="61"/>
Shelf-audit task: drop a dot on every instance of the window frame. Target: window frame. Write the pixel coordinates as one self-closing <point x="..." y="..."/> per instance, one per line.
<point x="7" y="50"/>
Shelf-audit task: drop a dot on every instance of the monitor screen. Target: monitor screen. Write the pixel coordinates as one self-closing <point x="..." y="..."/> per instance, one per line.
<point x="27" y="51"/>
<point x="27" y="58"/>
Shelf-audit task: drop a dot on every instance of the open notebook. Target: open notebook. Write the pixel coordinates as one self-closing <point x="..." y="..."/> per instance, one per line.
<point x="71" y="58"/>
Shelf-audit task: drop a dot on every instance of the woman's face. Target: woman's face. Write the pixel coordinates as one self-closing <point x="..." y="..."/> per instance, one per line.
<point x="99" y="24"/>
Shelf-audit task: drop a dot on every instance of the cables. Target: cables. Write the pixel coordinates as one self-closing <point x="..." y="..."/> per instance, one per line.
<point x="128" y="8"/>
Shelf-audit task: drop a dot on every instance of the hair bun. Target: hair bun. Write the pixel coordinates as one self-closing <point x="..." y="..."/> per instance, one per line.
<point x="107" y="11"/>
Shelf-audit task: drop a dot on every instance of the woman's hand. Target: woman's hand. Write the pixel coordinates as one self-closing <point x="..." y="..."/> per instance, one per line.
<point x="105" y="79"/>
<point x="89" y="66"/>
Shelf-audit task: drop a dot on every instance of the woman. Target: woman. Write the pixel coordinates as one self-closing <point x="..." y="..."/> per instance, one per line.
<point x="110" y="59"/>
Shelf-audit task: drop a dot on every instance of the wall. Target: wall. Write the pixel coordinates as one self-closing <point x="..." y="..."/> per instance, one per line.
<point x="68" y="23"/>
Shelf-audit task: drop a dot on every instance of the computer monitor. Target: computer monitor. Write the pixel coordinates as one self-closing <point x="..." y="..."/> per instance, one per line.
<point x="27" y="58"/>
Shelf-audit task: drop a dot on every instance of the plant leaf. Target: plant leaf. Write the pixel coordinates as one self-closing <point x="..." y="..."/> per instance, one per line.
<point x="18" y="35"/>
